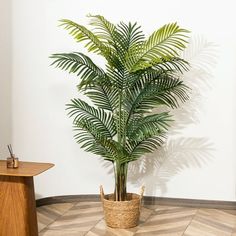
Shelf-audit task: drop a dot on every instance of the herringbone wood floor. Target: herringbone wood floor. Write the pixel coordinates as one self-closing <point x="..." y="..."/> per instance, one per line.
<point x="86" y="218"/>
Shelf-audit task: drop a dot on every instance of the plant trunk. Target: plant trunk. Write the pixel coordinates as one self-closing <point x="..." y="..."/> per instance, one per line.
<point x="120" y="170"/>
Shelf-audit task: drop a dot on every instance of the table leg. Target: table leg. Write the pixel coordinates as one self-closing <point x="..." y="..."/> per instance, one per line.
<point x="17" y="206"/>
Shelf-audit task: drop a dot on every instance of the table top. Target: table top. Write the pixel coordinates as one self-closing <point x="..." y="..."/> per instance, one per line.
<point x="26" y="169"/>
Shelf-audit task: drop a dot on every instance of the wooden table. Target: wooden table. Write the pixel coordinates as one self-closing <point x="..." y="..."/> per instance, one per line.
<point x="17" y="199"/>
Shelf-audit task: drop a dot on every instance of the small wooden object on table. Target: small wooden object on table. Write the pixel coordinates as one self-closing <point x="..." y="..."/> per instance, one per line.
<point x="17" y="199"/>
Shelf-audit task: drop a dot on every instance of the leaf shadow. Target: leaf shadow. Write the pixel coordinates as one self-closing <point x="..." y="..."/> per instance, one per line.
<point x="156" y="169"/>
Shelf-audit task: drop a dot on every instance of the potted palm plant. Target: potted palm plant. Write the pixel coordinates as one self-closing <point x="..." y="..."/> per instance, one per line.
<point x="140" y="75"/>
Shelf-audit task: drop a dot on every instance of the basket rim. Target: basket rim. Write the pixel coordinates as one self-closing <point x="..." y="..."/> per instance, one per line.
<point x="137" y="198"/>
<point x="134" y="196"/>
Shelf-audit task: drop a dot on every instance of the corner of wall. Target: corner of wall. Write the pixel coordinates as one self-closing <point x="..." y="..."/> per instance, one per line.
<point x="5" y="76"/>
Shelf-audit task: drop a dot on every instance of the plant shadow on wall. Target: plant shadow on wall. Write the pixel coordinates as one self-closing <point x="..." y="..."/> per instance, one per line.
<point x="179" y="153"/>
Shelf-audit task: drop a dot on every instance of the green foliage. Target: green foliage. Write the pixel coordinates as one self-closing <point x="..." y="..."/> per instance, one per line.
<point x="163" y="43"/>
<point x="141" y="75"/>
<point x="101" y="120"/>
<point x="81" y="65"/>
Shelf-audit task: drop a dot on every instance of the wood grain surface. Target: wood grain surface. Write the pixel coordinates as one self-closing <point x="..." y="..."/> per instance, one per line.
<point x="25" y="168"/>
<point x="86" y="219"/>
<point x="18" y="208"/>
<point x="17" y="199"/>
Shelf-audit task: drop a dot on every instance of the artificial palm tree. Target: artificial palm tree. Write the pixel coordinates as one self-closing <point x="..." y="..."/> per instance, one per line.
<point x="141" y="74"/>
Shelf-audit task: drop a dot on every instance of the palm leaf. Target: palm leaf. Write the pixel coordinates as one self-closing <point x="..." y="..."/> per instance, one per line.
<point x="81" y="65"/>
<point x="104" y="96"/>
<point x="147" y="145"/>
<point x="165" y="42"/>
<point x="148" y="126"/>
<point x="105" y="30"/>
<point x="117" y="77"/>
<point x="81" y="111"/>
<point x="81" y="33"/>
<point x="107" y="33"/>
<point x="92" y="141"/>
<point x="131" y="35"/>
<point x="128" y="35"/>
<point x="147" y="95"/>
<point x="172" y="65"/>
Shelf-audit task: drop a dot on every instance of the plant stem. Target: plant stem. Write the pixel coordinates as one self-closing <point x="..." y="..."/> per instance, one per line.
<point x="120" y="181"/>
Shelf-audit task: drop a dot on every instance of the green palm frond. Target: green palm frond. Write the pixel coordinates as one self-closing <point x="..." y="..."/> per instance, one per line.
<point x="104" y="96"/>
<point x="167" y="67"/>
<point x="148" y="126"/>
<point x="93" y="44"/>
<point x="128" y="36"/>
<point x="172" y="65"/>
<point x="93" y="141"/>
<point x="105" y="30"/>
<point x="144" y="76"/>
<point x="164" y="90"/>
<point x="121" y="38"/>
<point x="117" y="77"/>
<point x="82" y="111"/>
<point x="131" y="35"/>
<point x="81" y="33"/>
<point x="142" y="147"/>
<point x="165" y="42"/>
<point x="81" y="65"/>
<point x="107" y="33"/>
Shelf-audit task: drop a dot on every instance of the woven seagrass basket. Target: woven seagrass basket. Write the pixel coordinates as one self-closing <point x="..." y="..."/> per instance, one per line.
<point x="121" y="214"/>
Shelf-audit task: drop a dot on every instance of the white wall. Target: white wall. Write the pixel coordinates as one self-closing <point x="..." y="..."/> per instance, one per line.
<point x="198" y="160"/>
<point x="5" y="77"/>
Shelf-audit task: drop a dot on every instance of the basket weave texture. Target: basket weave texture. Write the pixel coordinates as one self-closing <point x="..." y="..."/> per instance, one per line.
<point x="121" y="214"/>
